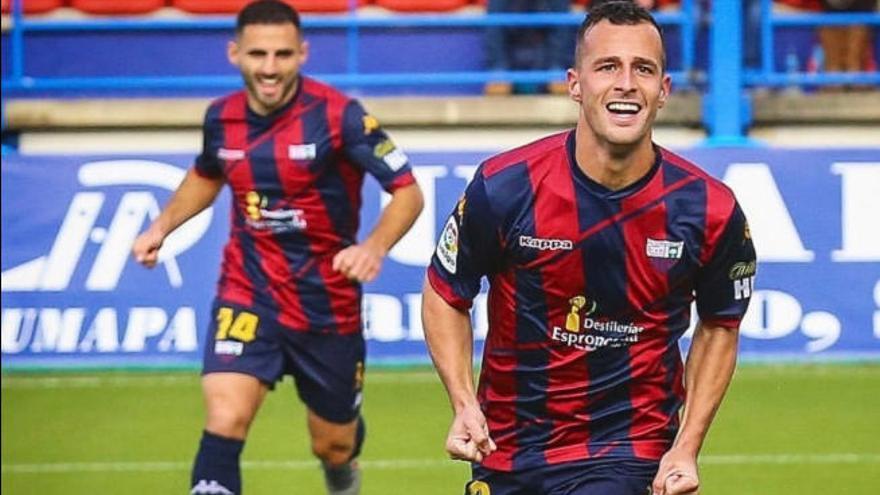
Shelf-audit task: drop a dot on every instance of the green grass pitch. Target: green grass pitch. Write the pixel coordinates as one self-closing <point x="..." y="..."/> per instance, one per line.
<point x="796" y="429"/>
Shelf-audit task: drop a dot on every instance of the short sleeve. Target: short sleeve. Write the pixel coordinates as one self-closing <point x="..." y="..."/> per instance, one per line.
<point x="207" y="163"/>
<point x="725" y="284"/>
<point x="469" y="247"/>
<point x="369" y="147"/>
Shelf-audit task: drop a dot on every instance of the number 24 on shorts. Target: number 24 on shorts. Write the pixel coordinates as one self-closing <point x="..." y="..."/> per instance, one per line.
<point x="241" y="327"/>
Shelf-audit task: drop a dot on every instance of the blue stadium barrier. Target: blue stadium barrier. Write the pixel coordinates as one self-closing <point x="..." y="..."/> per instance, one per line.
<point x="769" y="75"/>
<point x="20" y="81"/>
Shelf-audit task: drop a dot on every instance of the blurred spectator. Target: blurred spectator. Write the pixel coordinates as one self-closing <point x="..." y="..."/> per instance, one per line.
<point x="847" y="48"/>
<point x="535" y="48"/>
<point x="528" y="48"/>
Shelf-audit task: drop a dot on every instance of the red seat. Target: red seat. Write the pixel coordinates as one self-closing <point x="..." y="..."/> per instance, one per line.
<point x="233" y="6"/>
<point x="422" y="5"/>
<point x="318" y="6"/>
<point x="33" y="6"/>
<point x="811" y="5"/>
<point x="116" y="7"/>
<point x="209" y="6"/>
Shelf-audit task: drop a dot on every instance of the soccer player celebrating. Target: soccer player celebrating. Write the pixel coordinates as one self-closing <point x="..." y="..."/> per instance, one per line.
<point x="294" y="153"/>
<point x="595" y="242"/>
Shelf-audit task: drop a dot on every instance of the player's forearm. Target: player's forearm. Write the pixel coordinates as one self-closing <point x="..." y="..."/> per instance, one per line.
<point x="397" y="218"/>
<point x="710" y="365"/>
<point x="449" y="337"/>
<point x="193" y="195"/>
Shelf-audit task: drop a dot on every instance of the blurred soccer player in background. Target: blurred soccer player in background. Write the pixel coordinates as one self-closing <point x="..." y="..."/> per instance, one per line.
<point x="595" y="242"/>
<point x="294" y="153"/>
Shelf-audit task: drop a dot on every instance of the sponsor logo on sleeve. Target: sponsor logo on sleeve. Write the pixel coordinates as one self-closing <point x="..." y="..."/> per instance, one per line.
<point x="447" y="248"/>
<point x="390" y="154"/>
<point x="743" y="276"/>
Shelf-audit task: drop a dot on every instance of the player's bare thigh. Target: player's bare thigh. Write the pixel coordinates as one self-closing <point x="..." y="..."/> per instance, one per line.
<point x="231" y="402"/>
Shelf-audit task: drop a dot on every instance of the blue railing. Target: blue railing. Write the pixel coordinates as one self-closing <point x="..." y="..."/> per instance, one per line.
<point x="725" y="119"/>
<point x="769" y="75"/>
<point x="19" y="81"/>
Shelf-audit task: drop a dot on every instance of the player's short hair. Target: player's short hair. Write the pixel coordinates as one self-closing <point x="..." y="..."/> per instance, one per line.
<point x="266" y="12"/>
<point x="619" y="13"/>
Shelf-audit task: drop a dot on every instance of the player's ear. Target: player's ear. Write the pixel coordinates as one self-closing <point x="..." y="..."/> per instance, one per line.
<point x="303" y="52"/>
<point x="232" y="52"/>
<point x="665" y="89"/>
<point x="574" y="85"/>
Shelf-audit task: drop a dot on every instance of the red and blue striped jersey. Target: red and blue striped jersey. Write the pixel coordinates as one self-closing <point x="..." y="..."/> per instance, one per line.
<point x="590" y="291"/>
<point x="296" y="178"/>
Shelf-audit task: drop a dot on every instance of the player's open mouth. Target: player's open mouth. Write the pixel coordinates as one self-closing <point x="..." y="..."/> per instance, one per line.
<point x="623" y="108"/>
<point x="269" y="85"/>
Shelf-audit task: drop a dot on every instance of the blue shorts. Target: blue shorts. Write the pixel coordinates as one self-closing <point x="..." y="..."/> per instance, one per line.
<point x="328" y="369"/>
<point x="594" y="477"/>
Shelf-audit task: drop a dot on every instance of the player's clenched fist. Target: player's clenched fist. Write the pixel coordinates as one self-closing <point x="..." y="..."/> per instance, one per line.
<point x="146" y="247"/>
<point x="468" y="438"/>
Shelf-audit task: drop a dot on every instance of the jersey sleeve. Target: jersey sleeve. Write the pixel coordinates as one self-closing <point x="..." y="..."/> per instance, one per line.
<point x="369" y="147"/>
<point x="207" y="163"/>
<point x="469" y="247"/>
<point x="725" y="284"/>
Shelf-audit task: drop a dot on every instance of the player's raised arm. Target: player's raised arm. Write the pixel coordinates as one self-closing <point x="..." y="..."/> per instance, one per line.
<point x="194" y="194"/>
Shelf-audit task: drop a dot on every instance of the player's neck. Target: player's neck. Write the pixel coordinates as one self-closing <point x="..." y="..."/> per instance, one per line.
<point x="615" y="167"/>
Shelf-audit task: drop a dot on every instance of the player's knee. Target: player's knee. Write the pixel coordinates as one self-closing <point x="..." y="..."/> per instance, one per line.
<point x="228" y="423"/>
<point x="333" y="451"/>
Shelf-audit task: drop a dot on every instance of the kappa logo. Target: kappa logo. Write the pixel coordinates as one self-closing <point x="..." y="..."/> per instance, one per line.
<point x="204" y="487"/>
<point x="54" y="271"/>
<point x="663" y="249"/>
<point x="545" y="244"/>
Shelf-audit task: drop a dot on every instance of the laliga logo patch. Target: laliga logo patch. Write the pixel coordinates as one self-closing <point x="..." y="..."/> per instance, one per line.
<point x="447" y="248"/>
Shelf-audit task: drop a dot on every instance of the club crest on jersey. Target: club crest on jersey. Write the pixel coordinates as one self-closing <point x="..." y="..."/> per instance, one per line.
<point x="447" y="248"/>
<point x="663" y="249"/>
<point x="306" y="151"/>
